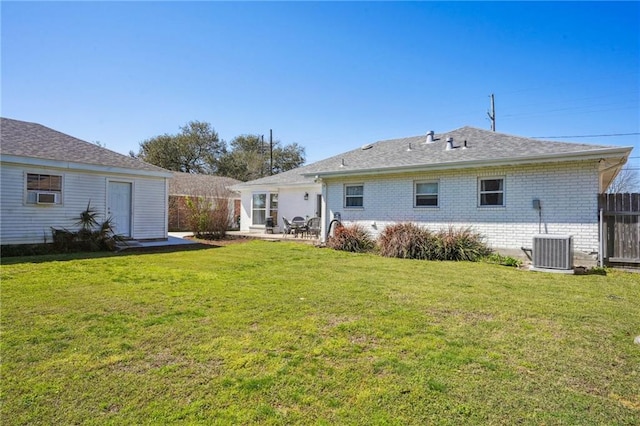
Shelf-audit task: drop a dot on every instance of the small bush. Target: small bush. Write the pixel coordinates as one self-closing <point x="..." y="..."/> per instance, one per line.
<point x="499" y="259"/>
<point x="14" y="250"/>
<point x="406" y="241"/>
<point x="92" y="235"/>
<point x="460" y="244"/>
<point x="208" y="218"/>
<point x="353" y="238"/>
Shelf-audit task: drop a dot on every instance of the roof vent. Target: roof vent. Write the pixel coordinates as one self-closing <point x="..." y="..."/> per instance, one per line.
<point x="465" y="144"/>
<point x="409" y="149"/>
<point x="342" y="163"/>
<point x="430" y="138"/>
<point x="365" y="147"/>
<point x="449" y="144"/>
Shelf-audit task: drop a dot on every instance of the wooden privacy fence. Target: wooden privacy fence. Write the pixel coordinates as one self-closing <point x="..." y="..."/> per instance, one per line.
<point x="621" y="227"/>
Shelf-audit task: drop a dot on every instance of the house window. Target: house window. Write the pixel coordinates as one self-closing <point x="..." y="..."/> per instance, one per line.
<point x="259" y="209"/>
<point x="426" y="194"/>
<point x="354" y="195"/>
<point x="262" y="204"/>
<point x="491" y="192"/>
<point x="44" y="189"/>
<point x="273" y="207"/>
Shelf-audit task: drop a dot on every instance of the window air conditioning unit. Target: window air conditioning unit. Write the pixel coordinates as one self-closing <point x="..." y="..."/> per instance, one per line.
<point x="553" y="252"/>
<point x="47" y="198"/>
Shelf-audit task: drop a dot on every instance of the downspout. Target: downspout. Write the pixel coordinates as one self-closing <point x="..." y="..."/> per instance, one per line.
<point x="323" y="211"/>
<point x="601" y="248"/>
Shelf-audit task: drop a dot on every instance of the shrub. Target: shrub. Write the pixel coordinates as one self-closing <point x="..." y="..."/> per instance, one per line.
<point x="208" y="218"/>
<point x="92" y="235"/>
<point x="353" y="238"/>
<point x="406" y="241"/>
<point x="460" y="244"/>
<point x="12" y="250"/>
<point x="499" y="259"/>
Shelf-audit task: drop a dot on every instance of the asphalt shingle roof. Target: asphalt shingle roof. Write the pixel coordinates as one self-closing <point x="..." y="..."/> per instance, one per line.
<point x="394" y="154"/>
<point x="199" y="184"/>
<point x="34" y="140"/>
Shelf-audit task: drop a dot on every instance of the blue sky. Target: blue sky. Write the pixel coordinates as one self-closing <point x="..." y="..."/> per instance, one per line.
<point x="330" y="76"/>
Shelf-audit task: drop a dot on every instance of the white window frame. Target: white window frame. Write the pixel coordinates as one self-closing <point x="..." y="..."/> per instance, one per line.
<point x="346" y="196"/>
<point x="31" y="195"/>
<point x="273" y="211"/>
<point x="502" y="191"/>
<point x="416" y="194"/>
<point x="268" y="208"/>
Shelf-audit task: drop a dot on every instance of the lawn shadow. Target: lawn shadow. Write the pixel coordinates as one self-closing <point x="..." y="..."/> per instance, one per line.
<point x="62" y="257"/>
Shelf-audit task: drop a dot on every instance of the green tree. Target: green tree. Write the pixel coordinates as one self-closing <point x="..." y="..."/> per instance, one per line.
<point x="249" y="158"/>
<point x="196" y="149"/>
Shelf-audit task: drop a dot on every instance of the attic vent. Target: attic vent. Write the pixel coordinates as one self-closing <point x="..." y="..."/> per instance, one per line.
<point x="449" y="144"/>
<point x="367" y="146"/>
<point x="430" y="138"/>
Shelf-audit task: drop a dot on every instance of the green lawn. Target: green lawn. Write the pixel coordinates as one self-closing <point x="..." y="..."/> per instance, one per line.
<point x="285" y="333"/>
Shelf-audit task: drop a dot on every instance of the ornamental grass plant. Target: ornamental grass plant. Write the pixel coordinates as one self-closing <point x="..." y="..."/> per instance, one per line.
<point x="352" y="238"/>
<point x="407" y="241"/>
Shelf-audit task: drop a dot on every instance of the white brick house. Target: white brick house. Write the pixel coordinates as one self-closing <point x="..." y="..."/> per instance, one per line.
<point x="489" y="185"/>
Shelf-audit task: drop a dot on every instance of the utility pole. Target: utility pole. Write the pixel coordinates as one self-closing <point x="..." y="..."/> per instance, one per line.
<point x="492" y="114"/>
<point x="271" y="151"/>
<point x="261" y="155"/>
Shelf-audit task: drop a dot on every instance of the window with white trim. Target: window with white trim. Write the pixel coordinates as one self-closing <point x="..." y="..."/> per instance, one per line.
<point x="259" y="209"/>
<point x="491" y="192"/>
<point x="354" y="195"/>
<point x="44" y="189"/>
<point x="426" y="194"/>
<point x="263" y="205"/>
<point x="273" y="207"/>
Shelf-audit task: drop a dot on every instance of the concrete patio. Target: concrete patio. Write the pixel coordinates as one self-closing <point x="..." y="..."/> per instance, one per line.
<point x="178" y="239"/>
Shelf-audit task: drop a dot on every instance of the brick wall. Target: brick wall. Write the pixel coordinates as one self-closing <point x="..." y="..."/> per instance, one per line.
<point x="567" y="191"/>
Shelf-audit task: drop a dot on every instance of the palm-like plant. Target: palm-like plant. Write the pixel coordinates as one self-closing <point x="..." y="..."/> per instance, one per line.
<point x="92" y="235"/>
<point x="88" y="218"/>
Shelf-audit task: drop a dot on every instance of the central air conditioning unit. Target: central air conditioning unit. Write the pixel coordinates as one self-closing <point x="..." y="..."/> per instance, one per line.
<point x="553" y="252"/>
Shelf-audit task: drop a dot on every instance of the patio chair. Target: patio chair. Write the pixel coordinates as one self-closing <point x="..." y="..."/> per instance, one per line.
<point x="313" y="227"/>
<point x="286" y="229"/>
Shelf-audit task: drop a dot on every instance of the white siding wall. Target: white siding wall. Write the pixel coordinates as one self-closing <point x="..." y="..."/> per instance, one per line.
<point x="150" y="208"/>
<point x="245" y="210"/>
<point x="291" y="203"/>
<point x="568" y="194"/>
<point x="22" y="223"/>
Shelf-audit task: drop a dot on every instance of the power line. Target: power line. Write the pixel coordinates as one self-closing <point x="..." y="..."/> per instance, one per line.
<point x="585" y="136"/>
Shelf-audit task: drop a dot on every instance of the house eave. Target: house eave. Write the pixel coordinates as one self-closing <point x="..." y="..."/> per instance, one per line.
<point x="68" y="165"/>
<point x="595" y="155"/>
<point x="272" y="186"/>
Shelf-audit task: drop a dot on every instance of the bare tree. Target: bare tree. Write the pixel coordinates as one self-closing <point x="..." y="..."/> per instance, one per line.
<point x="628" y="180"/>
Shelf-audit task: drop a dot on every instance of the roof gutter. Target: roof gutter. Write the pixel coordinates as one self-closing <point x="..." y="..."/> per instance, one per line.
<point x="275" y="185"/>
<point x="595" y="154"/>
<point x="67" y="165"/>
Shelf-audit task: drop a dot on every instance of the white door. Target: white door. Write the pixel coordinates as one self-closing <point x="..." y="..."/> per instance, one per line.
<point x="119" y="207"/>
